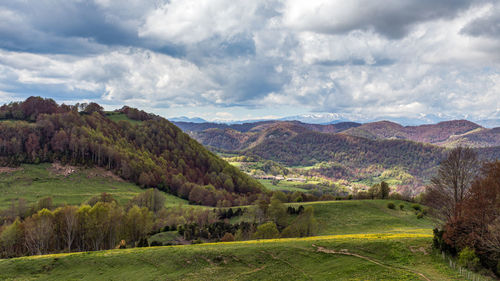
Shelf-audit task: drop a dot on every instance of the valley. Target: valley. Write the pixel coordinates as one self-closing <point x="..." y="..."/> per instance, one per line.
<point x="92" y="194"/>
<point x="347" y="156"/>
<point x="250" y="140"/>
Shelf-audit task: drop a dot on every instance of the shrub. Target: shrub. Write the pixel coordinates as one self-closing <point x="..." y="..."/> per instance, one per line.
<point x="391" y="206"/>
<point x="156" y="243"/>
<point x="401" y="206"/>
<point x="267" y="230"/>
<point x="416" y="207"/>
<point x="467" y="258"/>
<point x="420" y="215"/>
<point x="290" y="231"/>
<point x="197" y="241"/>
<point x="327" y="197"/>
<point x="228" y="237"/>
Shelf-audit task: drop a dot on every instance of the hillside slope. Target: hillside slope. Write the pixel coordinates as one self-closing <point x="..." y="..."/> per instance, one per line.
<point x="379" y="257"/>
<point x="352" y="152"/>
<point x="151" y="153"/>
<point x="65" y="185"/>
<point x="361" y="240"/>
<point x="447" y="133"/>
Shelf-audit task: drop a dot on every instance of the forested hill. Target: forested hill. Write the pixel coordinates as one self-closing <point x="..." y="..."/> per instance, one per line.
<point x="353" y="153"/>
<point x="444" y="134"/>
<point x="139" y="147"/>
<point x="297" y="144"/>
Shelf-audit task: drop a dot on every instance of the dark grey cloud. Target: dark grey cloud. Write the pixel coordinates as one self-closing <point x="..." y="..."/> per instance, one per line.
<point x="220" y="49"/>
<point x="488" y="26"/>
<point x="246" y="84"/>
<point x="373" y="58"/>
<point x="80" y="27"/>
<point x="60" y="27"/>
<point x="390" y="18"/>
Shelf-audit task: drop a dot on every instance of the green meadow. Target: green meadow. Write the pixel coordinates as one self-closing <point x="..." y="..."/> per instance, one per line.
<point x="380" y="257"/>
<point x="357" y="240"/>
<point x="33" y="182"/>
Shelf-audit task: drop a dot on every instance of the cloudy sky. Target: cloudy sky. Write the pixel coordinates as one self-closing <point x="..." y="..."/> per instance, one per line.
<point x="227" y="59"/>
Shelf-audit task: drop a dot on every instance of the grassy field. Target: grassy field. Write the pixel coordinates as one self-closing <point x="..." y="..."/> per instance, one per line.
<point x="366" y="216"/>
<point x="164" y="237"/>
<point x="33" y="182"/>
<point x="349" y="217"/>
<point x="358" y="240"/>
<point x="378" y="257"/>
<point x="121" y="117"/>
<point x="283" y="185"/>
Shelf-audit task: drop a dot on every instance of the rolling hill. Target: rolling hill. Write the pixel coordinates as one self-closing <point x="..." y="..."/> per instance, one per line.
<point x="372" y="243"/>
<point x="351" y="151"/>
<point x="66" y="185"/>
<point x="448" y="133"/>
<point x="139" y="147"/>
<point x="308" y="147"/>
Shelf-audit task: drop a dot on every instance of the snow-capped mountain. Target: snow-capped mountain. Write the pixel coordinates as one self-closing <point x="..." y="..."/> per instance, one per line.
<point x="187" y="119"/>
<point x="318" y="118"/>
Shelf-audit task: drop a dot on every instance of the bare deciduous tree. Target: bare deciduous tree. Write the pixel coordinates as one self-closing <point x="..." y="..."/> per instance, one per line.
<point x="67" y="218"/>
<point x="452" y="183"/>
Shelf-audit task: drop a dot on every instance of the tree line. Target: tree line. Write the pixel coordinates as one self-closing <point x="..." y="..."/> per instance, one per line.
<point x="268" y="218"/>
<point x="465" y="196"/>
<point x="101" y="223"/>
<point x="98" y="224"/>
<point x="154" y="153"/>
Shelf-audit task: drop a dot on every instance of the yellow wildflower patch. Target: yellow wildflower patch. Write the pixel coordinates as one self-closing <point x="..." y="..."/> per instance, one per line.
<point x="418" y="233"/>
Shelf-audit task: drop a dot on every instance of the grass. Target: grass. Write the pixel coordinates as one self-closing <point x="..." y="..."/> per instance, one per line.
<point x="366" y="216"/>
<point x="121" y="117"/>
<point x="283" y="185"/>
<point x="391" y="244"/>
<point x="164" y="237"/>
<point x="33" y="182"/>
<point x="388" y="257"/>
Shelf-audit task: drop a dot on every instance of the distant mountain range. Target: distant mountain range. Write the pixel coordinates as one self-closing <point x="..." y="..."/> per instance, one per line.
<point x="187" y="119"/>
<point x="351" y="148"/>
<point x="446" y="134"/>
<point x="334" y="118"/>
<point x="319" y="118"/>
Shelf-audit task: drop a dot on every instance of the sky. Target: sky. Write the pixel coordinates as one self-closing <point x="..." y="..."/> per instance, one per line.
<point x="259" y="59"/>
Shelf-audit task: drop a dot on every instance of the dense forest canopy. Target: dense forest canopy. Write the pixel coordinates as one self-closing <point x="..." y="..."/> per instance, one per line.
<point x="153" y="153"/>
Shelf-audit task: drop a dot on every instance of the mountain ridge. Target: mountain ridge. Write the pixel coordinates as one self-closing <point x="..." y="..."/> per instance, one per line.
<point x="445" y="133"/>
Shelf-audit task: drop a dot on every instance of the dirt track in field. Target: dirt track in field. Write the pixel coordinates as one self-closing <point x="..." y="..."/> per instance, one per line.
<point x="347" y="253"/>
